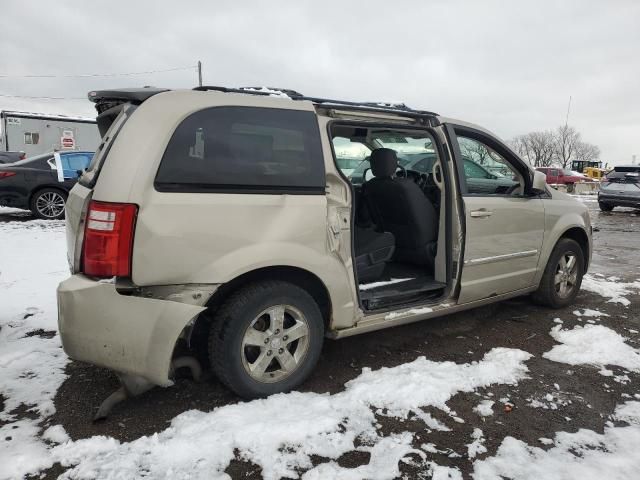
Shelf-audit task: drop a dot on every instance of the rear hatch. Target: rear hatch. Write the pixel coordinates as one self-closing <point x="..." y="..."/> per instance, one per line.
<point x="114" y="108"/>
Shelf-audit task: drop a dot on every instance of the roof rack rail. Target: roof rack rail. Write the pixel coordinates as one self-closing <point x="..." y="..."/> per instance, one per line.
<point x="380" y="107"/>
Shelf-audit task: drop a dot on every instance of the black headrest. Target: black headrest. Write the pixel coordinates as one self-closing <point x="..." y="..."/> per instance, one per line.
<point x="384" y="162"/>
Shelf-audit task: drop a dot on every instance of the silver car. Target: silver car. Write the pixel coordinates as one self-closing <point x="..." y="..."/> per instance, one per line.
<point x="218" y="221"/>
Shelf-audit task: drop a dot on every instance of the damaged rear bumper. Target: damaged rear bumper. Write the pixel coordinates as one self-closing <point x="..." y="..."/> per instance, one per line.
<point x="128" y="334"/>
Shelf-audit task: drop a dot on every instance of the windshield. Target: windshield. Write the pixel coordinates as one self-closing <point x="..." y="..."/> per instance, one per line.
<point x="404" y="145"/>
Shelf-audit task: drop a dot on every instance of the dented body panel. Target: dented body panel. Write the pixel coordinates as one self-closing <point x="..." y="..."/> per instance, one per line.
<point x="128" y="334"/>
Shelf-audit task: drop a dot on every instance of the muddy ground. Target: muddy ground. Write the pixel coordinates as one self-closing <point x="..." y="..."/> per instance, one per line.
<point x="584" y="399"/>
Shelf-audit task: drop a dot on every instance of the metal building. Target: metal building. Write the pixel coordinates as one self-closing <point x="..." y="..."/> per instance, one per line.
<point x="35" y="133"/>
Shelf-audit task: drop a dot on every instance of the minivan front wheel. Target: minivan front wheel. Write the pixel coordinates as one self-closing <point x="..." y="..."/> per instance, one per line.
<point x="266" y="338"/>
<point x="48" y="204"/>
<point x="562" y="276"/>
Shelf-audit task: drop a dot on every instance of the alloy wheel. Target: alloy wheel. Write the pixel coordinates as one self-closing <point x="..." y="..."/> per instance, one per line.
<point x="50" y="204"/>
<point x="566" y="275"/>
<point x="275" y="343"/>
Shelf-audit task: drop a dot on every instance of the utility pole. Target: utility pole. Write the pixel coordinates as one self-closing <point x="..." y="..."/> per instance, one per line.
<point x="566" y="122"/>
<point x="199" y="73"/>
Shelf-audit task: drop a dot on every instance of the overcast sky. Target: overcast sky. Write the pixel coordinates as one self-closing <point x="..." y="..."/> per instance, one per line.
<point x="507" y="65"/>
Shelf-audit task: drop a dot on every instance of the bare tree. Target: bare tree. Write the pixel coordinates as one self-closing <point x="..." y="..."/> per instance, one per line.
<point x="566" y="140"/>
<point x="537" y="148"/>
<point x="474" y="150"/>
<point x="587" y="152"/>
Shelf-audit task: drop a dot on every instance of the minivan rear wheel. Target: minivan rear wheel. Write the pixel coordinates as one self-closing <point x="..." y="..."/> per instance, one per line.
<point x="562" y="276"/>
<point x="266" y="338"/>
<point x="48" y="204"/>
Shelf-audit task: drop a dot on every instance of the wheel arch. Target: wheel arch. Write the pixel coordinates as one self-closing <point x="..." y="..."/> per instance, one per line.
<point x="199" y="331"/>
<point x="579" y="235"/>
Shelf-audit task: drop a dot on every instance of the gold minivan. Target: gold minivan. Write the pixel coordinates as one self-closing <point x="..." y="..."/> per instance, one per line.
<point x="219" y="221"/>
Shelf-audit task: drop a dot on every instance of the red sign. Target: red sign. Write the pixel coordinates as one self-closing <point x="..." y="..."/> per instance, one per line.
<point x="67" y="142"/>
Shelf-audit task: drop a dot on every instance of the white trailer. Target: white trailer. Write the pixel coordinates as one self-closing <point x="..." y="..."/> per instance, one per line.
<point x="35" y="133"/>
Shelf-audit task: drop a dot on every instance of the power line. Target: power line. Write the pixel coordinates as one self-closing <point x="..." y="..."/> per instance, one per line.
<point x="89" y="75"/>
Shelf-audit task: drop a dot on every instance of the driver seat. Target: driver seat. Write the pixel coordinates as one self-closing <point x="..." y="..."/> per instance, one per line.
<point x="399" y="206"/>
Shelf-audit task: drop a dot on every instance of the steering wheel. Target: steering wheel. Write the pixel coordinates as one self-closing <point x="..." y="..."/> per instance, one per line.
<point x="403" y="171"/>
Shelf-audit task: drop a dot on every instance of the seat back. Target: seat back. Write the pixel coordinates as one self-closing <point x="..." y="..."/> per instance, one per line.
<point x="400" y="207"/>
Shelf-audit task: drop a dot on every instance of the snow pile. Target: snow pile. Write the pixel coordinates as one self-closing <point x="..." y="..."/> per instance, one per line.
<point x="32" y="263"/>
<point x="585" y="454"/>
<point x="610" y="287"/>
<point x="593" y="345"/>
<point x="281" y="432"/>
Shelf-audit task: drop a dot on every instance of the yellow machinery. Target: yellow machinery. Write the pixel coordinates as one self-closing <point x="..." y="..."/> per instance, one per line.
<point x="595" y="173"/>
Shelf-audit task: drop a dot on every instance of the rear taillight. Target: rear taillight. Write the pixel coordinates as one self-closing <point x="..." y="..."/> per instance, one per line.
<point x="7" y="174"/>
<point x="108" y="239"/>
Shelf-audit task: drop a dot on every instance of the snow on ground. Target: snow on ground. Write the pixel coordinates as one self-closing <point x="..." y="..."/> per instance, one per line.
<point x="299" y="425"/>
<point x="594" y="345"/>
<point x="32" y="262"/>
<point x="610" y="287"/>
<point x="584" y="455"/>
<point x="484" y="408"/>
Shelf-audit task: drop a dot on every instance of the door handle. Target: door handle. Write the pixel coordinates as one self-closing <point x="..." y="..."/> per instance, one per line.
<point x="481" y="213"/>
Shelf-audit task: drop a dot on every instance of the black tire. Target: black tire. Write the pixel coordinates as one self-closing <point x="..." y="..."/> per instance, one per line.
<point x="605" y="207"/>
<point x="228" y="354"/>
<point x="547" y="293"/>
<point x="571" y="187"/>
<point x="42" y="208"/>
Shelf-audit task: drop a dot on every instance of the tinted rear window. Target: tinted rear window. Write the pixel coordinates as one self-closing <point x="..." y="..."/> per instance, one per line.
<point x="244" y="148"/>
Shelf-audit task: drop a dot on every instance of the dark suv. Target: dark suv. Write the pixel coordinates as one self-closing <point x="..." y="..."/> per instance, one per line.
<point x="620" y="188"/>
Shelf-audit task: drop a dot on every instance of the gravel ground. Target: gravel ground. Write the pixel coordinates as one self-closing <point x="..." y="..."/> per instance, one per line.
<point x="582" y="398"/>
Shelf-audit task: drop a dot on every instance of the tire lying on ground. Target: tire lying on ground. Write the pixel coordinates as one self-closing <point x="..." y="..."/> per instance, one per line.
<point x="562" y="276"/>
<point x="266" y="338"/>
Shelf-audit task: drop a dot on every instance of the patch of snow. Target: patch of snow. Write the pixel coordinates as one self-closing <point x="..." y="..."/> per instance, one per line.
<point x="585" y="454"/>
<point x="594" y="345"/>
<point x="21" y="452"/>
<point x="32" y="263"/>
<point x="369" y="286"/>
<point x="298" y="424"/>
<point x="612" y="289"/>
<point x="588" y="312"/>
<point x="383" y="464"/>
<point x="56" y="434"/>
<point x="484" y="408"/>
<point x="477" y="446"/>
<point x="407" y="313"/>
<point x="272" y="92"/>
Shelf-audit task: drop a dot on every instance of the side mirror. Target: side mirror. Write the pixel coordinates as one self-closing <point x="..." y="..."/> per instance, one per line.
<point x="539" y="183"/>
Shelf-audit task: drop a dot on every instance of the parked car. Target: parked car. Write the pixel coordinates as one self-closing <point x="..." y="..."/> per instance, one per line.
<point x="239" y="238"/>
<point x="558" y="176"/>
<point x="10" y="157"/>
<point x="620" y="188"/>
<point x="41" y="183"/>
